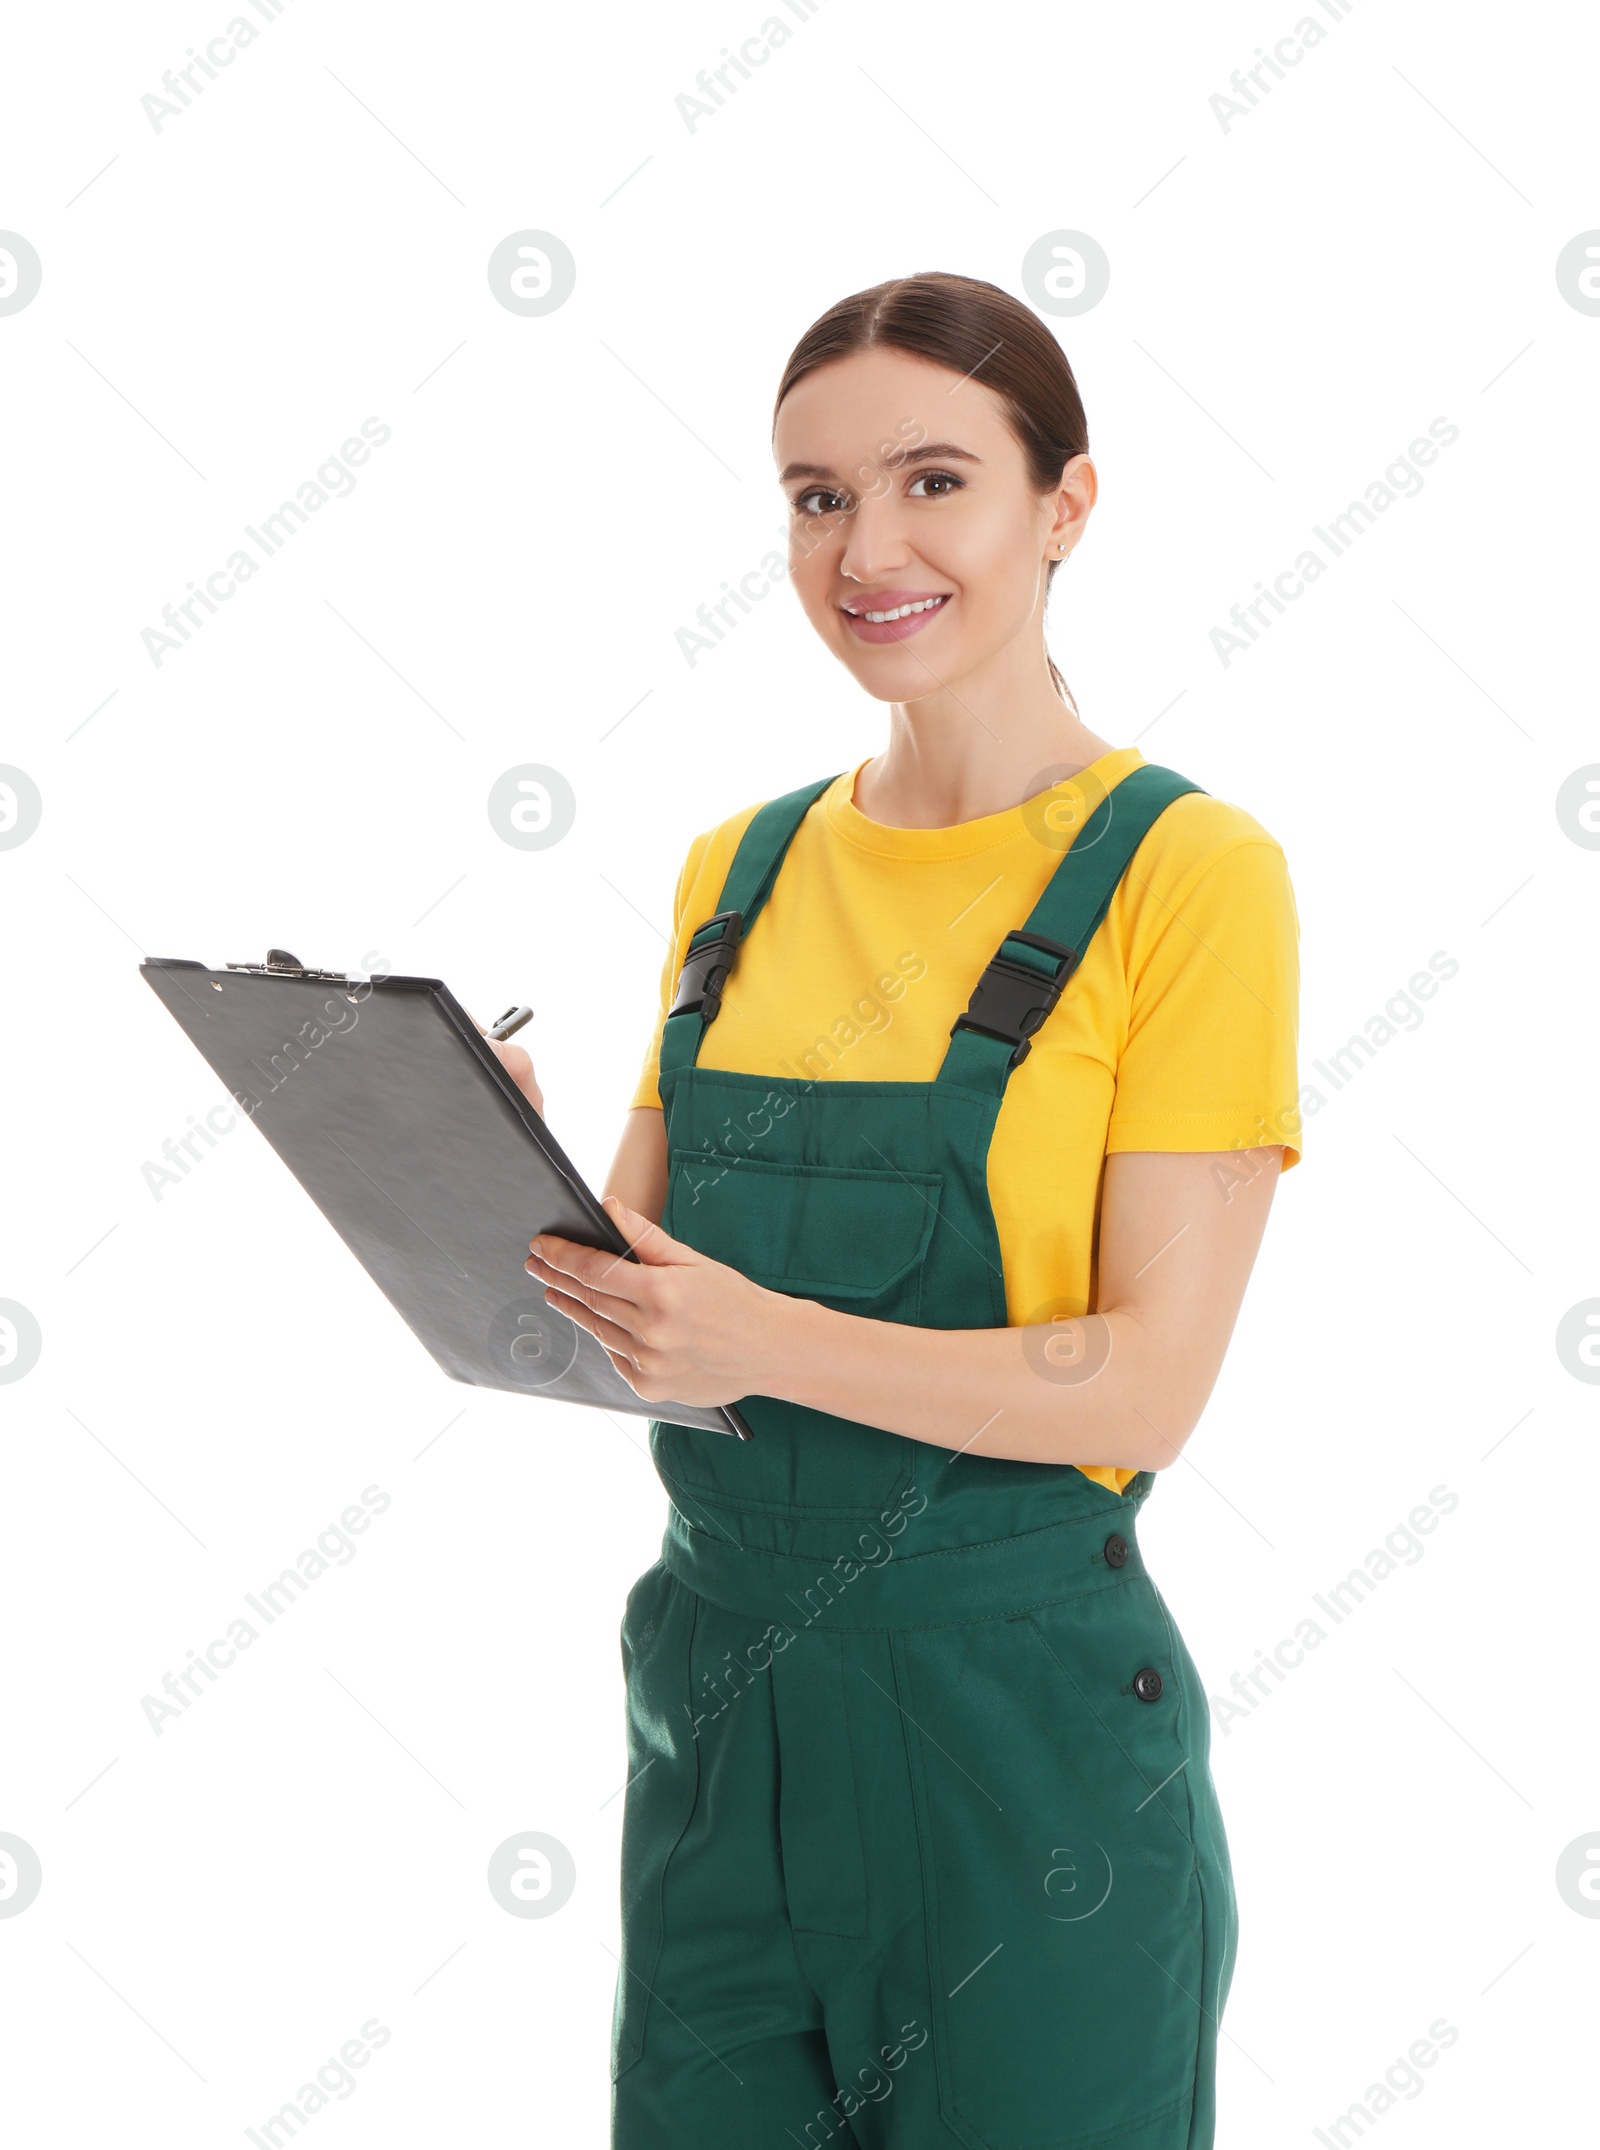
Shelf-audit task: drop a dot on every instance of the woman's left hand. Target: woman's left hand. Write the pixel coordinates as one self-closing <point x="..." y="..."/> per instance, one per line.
<point x="675" y="1324"/>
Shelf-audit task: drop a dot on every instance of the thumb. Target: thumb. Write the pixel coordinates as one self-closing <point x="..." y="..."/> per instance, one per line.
<point x="648" y="1240"/>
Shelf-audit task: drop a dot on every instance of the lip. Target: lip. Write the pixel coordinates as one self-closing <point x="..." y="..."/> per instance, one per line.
<point x="886" y="601"/>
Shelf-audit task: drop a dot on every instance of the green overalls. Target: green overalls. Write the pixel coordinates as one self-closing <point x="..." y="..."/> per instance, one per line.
<point x="920" y="1843"/>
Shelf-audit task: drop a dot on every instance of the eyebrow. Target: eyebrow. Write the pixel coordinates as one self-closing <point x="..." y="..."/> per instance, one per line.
<point x="941" y="451"/>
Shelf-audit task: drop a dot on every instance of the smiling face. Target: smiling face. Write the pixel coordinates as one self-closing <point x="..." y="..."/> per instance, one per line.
<point x="918" y="545"/>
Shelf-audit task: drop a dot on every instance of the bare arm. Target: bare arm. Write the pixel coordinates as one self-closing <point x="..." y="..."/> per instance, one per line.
<point x="1124" y="1386"/>
<point x="638" y="1174"/>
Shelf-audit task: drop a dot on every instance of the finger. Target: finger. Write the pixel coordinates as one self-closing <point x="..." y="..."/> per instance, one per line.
<point x="612" y="1335"/>
<point x="644" y="1236"/>
<point x="630" y="1373"/>
<point x="592" y="1267"/>
<point x="624" y="1312"/>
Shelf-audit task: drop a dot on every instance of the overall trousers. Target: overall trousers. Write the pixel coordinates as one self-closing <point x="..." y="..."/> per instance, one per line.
<point x="920" y="1843"/>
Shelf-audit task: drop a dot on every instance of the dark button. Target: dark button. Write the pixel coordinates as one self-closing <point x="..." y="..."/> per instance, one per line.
<point x="1147" y="1684"/>
<point x="1116" y="1550"/>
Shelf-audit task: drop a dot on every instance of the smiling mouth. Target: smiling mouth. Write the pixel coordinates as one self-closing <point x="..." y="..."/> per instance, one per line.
<point x="894" y="623"/>
<point x="896" y="612"/>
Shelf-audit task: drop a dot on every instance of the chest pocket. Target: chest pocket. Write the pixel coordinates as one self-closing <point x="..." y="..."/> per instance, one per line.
<point x="852" y="1238"/>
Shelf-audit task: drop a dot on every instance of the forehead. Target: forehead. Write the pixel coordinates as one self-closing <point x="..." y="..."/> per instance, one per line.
<point x="849" y="410"/>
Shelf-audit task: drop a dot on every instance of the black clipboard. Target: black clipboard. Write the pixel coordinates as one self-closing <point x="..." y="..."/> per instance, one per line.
<point x="385" y="1101"/>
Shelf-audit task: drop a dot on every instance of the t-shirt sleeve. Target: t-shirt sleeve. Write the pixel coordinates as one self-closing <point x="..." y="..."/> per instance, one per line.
<point x="1214" y="983"/>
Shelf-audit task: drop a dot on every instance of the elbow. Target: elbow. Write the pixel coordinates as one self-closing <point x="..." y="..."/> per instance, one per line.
<point x="1169" y="1387"/>
<point x="1164" y="1448"/>
<point x="1170" y="1416"/>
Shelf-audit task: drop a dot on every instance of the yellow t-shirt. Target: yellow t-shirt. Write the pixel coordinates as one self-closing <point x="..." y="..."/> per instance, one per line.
<point x="1177" y="1031"/>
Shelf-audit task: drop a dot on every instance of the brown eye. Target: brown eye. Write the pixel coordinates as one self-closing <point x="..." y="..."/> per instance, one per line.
<point x="936" y="477"/>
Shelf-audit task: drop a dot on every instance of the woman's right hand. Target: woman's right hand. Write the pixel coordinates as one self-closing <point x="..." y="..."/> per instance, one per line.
<point x="518" y="1064"/>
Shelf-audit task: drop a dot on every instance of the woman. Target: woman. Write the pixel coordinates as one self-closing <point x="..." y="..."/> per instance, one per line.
<point x="973" y="1077"/>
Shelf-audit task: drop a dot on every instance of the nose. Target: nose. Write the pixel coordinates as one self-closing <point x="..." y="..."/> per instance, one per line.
<point x="875" y="543"/>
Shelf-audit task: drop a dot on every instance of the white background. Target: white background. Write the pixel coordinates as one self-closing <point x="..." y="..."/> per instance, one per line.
<point x="1292" y="300"/>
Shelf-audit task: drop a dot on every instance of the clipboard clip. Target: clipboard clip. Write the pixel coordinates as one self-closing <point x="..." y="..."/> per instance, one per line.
<point x="280" y="964"/>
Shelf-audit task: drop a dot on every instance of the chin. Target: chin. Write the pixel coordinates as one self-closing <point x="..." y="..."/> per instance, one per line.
<point x="891" y="675"/>
<point x="890" y="682"/>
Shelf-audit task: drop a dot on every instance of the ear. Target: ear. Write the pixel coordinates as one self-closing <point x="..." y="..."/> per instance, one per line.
<point x="1075" y="497"/>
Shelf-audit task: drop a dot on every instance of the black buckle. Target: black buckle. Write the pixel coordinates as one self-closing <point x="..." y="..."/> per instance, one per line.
<point x="706" y="967"/>
<point x="1010" y="1001"/>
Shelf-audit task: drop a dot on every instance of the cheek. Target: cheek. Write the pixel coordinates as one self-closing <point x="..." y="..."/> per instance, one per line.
<point x="814" y="572"/>
<point x="999" y="544"/>
<point x="998" y="568"/>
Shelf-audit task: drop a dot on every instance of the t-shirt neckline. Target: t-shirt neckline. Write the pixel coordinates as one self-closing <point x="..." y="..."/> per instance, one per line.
<point x="960" y="839"/>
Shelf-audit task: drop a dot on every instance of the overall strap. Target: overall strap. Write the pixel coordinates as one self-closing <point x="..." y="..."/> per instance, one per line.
<point x="709" y="956"/>
<point x="1025" y="976"/>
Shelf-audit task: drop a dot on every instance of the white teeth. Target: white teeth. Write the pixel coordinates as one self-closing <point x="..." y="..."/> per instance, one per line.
<point x="900" y="612"/>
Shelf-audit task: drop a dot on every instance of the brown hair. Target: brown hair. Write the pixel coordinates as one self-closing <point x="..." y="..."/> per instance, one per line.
<point x="977" y="330"/>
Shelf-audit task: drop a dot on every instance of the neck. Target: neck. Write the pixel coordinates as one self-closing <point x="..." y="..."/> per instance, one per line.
<point x="973" y="748"/>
